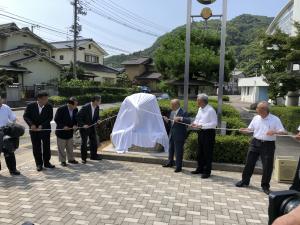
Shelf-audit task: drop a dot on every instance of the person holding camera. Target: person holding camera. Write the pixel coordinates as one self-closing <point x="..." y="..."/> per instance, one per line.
<point x="8" y="116"/>
<point x="65" y="119"/>
<point x="296" y="182"/>
<point x="292" y="218"/>
<point x="265" y="127"/>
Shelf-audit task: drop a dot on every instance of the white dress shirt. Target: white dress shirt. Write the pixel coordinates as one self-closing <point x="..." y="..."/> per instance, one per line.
<point x="299" y="128"/>
<point x="261" y="126"/>
<point x="93" y="110"/>
<point x="173" y="115"/>
<point x="207" y="118"/>
<point x="40" y="108"/>
<point x="6" y="115"/>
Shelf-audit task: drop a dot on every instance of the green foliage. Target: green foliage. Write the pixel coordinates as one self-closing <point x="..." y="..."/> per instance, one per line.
<point x="234" y="123"/>
<point x="105" y="128"/>
<point x="123" y="81"/>
<point x="228" y="149"/>
<point x="204" y="62"/>
<point x="164" y="87"/>
<point x="58" y="100"/>
<point x="5" y="80"/>
<point x="67" y="73"/>
<point x="76" y="83"/>
<point x="290" y="116"/>
<point x="225" y="98"/>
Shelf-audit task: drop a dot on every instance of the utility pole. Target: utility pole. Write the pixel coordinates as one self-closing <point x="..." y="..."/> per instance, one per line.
<point x="222" y="63"/>
<point x="187" y="55"/>
<point x="75" y="29"/>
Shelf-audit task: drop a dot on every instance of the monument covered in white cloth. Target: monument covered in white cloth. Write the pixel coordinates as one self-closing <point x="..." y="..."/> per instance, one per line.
<point x="139" y="124"/>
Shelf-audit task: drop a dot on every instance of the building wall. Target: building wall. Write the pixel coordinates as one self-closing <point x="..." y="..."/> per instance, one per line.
<point x="42" y="72"/>
<point x="134" y="71"/>
<point x="68" y="54"/>
<point x="254" y="94"/>
<point x="22" y="39"/>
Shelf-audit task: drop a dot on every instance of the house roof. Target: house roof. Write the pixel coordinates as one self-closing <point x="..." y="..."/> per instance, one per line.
<point x="34" y="57"/>
<point x="138" y="61"/>
<point x="150" y="76"/>
<point x="70" y="44"/>
<point x="96" y="67"/>
<point x="13" y="68"/>
<point x="252" y="82"/>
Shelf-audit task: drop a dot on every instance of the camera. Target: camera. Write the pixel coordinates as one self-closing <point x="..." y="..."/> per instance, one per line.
<point x="281" y="203"/>
<point x="9" y="137"/>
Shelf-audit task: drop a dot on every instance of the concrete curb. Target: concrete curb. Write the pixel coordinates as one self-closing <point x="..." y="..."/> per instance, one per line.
<point x="18" y="108"/>
<point x="155" y="160"/>
<point x="248" y="110"/>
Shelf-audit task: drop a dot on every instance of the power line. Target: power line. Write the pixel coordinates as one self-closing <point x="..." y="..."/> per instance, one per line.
<point x="101" y="13"/>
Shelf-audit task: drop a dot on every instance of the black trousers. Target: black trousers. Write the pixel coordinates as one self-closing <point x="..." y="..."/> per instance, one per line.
<point x="176" y="148"/>
<point x="266" y="152"/>
<point x="91" y="134"/>
<point x="296" y="183"/>
<point x="41" y="147"/>
<point x="10" y="160"/>
<point x="206" y="143"/>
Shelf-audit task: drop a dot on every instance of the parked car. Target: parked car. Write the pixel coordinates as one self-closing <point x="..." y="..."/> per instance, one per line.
<point x="145" y="89"/>
<point x="164" y="96"/>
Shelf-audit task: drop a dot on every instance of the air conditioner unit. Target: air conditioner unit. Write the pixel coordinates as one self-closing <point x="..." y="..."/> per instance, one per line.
<point x="285" y="168"/>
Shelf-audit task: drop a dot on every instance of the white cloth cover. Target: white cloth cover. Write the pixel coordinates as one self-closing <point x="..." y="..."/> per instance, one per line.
<point x="139" y="123"/>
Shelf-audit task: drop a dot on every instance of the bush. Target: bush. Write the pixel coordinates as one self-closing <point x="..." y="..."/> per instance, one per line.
<point x="225" y="98"/>
<point x="58" y="100"/>
<point x="105" y="128"/>
<point x="234" y="123"/>
<point x="290" y="116"/>
<point x="228" y="149"/>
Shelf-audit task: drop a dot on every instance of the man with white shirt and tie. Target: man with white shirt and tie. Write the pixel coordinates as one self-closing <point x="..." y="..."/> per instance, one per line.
<point x="178" y="132"/>
<point x="8" y="116"/>
<point x="265" y="127"/>
<point x="206" y="121"/>
<point x="38" y="116"/>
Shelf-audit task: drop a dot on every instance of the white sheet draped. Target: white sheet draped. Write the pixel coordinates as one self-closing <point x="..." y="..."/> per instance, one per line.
<point x="138" y="125"/>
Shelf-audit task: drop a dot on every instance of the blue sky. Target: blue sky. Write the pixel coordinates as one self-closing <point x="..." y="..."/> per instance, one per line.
<point x="168" y="14"/>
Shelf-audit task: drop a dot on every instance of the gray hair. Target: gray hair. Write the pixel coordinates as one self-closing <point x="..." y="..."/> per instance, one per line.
<point x="265" y="105"/>
<point x="203" y="97"/>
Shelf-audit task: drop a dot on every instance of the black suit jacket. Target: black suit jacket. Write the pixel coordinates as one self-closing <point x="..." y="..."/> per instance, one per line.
<point x="178" y="131"/>
<point x="32" y="116"/>
<point x="62" y="119"/>
<point x="84" y="116"/>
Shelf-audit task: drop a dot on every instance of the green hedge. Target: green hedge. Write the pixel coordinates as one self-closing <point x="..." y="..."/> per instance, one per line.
<point x="82" y="99"/>
<point x="228" y="149"/>
<point x="290" y="116"/>
<point x="104" y="129"/>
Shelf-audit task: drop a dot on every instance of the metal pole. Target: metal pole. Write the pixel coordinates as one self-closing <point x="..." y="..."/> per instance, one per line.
<point x="75" y="39"/>
<point x="187" y="54"/>
<point x="222" y="62"/>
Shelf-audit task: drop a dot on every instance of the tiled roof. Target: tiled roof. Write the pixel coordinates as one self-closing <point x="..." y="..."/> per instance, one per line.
<point x="138" y="61"/>
<point x="96" y="67"/>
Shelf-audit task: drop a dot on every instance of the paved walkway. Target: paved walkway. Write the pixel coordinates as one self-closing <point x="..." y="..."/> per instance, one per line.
<point x="112" y="192"/>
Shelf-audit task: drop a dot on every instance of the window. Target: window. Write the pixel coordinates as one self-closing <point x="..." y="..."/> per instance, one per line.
<point x="90" y="46"/>
<point x="91" y="58"/>
<point x="53" y="57"/>
<point x="61" y="57"/>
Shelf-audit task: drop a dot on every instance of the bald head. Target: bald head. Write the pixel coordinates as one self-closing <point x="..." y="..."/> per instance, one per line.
<point x="175" y="104"/>
<point x="263" y="109"/>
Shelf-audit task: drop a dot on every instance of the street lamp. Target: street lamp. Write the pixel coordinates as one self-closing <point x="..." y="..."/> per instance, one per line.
<point x="222" y="54"/>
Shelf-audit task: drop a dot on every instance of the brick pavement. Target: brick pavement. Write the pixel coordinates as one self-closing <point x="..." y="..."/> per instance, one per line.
<point x="113" y="192"/>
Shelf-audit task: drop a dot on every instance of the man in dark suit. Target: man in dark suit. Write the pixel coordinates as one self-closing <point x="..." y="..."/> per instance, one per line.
<point x="87" y="116"/>
<point x="296" y="182"/>
<point x="65" y="119"/>
<point x="177" y="135"/>
<point x="38" y="116"/>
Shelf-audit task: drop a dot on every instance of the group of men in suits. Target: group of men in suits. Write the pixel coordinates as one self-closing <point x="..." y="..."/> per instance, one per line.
<point x="38" y="115"/>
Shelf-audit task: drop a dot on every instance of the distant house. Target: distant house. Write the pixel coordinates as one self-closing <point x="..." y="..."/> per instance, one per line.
<point x="90" y="57"/>
<point x="142" y="71"/>
<point x="253" y="89"/>
<point x="26" y="58"/>
<point x="231" y="87"/>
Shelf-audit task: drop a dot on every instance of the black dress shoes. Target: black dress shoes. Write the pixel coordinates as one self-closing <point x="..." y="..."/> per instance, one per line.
<point x="196" y="172"/>
<point x="73" y="162"/>
<point x="266" y="190"/>
<point x="39" y="168"/>
<point x="97" y="158"/>
<point x="168" y="165"/>
<point x="83" y="161"/>
<point x="14" y="172"/>
<point x="49" y="165"/>
<point x="64" y="164"/>
<point x="178" y="170"/>
<point x="205" y="176"/>
<point x="241" y="184"/>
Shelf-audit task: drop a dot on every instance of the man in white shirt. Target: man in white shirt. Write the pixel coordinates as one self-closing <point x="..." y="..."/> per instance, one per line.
<point x="206" y="120"/>
<point x="296" y="183"/>
<point x="8" y="116"/>
<point x="265" y="127"/>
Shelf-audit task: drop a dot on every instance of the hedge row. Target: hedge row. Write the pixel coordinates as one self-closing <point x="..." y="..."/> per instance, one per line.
<point x="228" y="149"/>
<point x="105" y="98"/>
<point x="290" y="116"/>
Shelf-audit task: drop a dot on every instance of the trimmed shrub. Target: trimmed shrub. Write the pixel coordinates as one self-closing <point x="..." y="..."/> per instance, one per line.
<point x="58" y="100"/>
<point x="234" y="123"/>
<point x="105" y="128"/>
<point x="225" y="98"/>
<point x="290" y="116"/>
<point x="228" y="149"/>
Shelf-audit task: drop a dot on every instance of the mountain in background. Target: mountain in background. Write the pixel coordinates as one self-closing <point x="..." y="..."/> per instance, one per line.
<point x="241" y="32"/>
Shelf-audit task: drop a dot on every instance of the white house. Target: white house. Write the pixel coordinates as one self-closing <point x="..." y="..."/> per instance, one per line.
<point x="253" y="89"/>
<point x="90" y="57"/>
<point x="26" y="57"/>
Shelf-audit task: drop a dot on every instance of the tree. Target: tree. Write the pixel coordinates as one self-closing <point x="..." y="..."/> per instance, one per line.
<point x="276" y="55"/>
<point x="5" y="80"/>
<point x="68" y="73"/>
<point x="123" y="80"/>
<point x="204" y="59"/>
